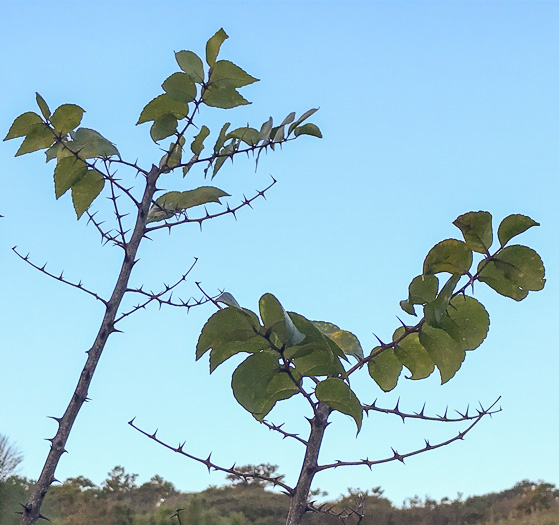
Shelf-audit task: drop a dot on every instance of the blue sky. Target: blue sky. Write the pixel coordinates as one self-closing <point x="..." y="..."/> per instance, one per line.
<point x="428" y="110"/>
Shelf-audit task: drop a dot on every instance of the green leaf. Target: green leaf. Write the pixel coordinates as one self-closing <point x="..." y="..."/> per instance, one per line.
<point x="514" y="272"/>
<point x="23" y="125"/>
<point x="385" y="369"/>
<point x="337" y="395"/>
<point x="413" y="355"/>
<point x="163" y="127"/>
<point x="163" y="105"/>
<point x="228" y="299"/>
<point x="39" y="137"/>
<point x="179" y="87"/>
<point x="477" y="229"/>
<point x="265" y="130"/>
<point x="221" y="138"/>
<point x="174" y="201"/>
<point x="423" y="289"/>
<point x="67" y="173"/>
<point x="466" y="321"/>
<point x="66" y="118"/>
<point x="43" y="106"/>
<point x="444" y="351"/>
<point x="258" y="384"/>
<point x="86" y="190"/>
<point x="407" y="307"/>
<point x="308" y="129"/>
<point x="514" y="225"/>
<point x="213" y="45"/>
<point x="277" y="321"/>
<point x="247" y="134"/>
<point x="437" y="309"/>
<point x="224" y="98"/>
<point x="198" y="143"/>
<point x="191" y="64"/>
<point x="176" y="156"/>
<point x="450" y="256"/>
<point x="302" y="118"/>
<point x="225" y="74"/>
<point x="347" y="341"/>
<point x="88" y="143"/>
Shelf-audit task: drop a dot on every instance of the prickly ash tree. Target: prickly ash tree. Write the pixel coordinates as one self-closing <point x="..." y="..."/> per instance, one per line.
<point x="86" y="163"/>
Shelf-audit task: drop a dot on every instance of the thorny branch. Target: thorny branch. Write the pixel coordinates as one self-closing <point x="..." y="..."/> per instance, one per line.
<point x="105" y="235"/>
<point x="209" y="464"/>
<point x="278" y="428"/>
<point x="60" y="277"/>
<point x="428" y="446"/>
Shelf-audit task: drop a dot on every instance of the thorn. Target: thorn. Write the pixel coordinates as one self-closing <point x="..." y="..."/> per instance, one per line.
<point x="131" y="422"/>
<point x="57" y="419"/>
<point x="154" y="435"/>
<point x="379" y="340"/>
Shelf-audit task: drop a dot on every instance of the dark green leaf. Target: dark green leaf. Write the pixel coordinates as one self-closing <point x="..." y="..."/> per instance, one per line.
<point x="514" y="225"/>
<point x="385" y="369"/>
<point x="477" y="229"/>
<point x="179" y="87"/>
<point x="198" y="143"/>
<point x="514" y="272"/>
<point x="450" y="256"/>
<point x="163" y="127"/>
<point x="163" y="105"/>
<point x="444" y="351"/>
<point x="247" y="134"/>
<point x="302" y="118"/>
<point x="213" y="45"/>
<point x="224" y="98"/>
<point x="191" y="64"/>
<point x="337" y="395"/>
<point x="174" y="201"/>
<point x="88" y="143"/>
<point x="221" y="138"/>
<point x="68" y="172"/>
<point x="423" y="289"/>
<point x="288" y="120"/>
<point x="23" y="125"/>
<point x="413" y="355"/>
<point x="66" y="118"/>
<point x="308" y="129"/>
<point x="258" y="384"/>
<point x="40" y="137"/>
<point x="43" y="106"/>
<point x="407" y="307"/>
<point x="466" y="321"/>
<point x="225" y="74"/>
<point x="86" y="190"/>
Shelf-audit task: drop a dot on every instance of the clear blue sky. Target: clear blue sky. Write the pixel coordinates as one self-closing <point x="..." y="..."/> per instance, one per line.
<point x="428" y="109"/>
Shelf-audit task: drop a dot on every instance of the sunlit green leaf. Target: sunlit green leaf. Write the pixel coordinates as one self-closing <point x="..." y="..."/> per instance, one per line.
<point x="347" y="341"/>
<point x="163" y="105"/>
<point x="476" y="226"/>
<point x="385" y="369"/>
<point x="258" y="384"/>
<point x="176" y="153"/>
<point x="68" y="172"/>
<point x="450" y="256"/>
<point x="23" y="125"/>
<point x="466" y="321"/>
<point x="191" y="64"/>
<point x="174" y="201"/>
<point x="514" y="225"/>
<point x="413" y="355"/>
<point x="225" y="74"/>
<point x="308" y="129"/>
<point x="66" y="118"/>
<point x="213" y="45"/>
<point x="423" y="289"/>
<point x="514" y="272"/>
<point x="163" y="127"/>
<point x="86" y="190"/>
<point x="337" y="395"/>
<point x="39" y="137"/>
<point x="198" y="143"/>
<point x="444" y="351"/>
<point x="180" y="87"/>
<point x="88" y="143"/>
<point x="43" y="106"/>
<point x="224" y="98"/>
<point x="276" y="320"/>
